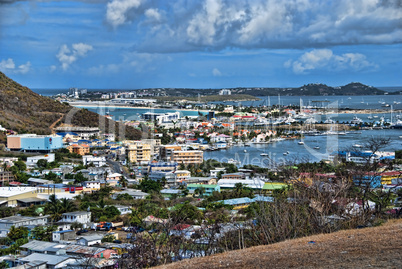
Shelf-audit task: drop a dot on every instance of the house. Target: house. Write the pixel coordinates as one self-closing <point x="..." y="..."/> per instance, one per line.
<point x="124" y="209"/>
<point x="82" y="149"/>
<point x="201" y="180"/>
<point x="66" y="235"/>
<point x="208" y="189"/>
<point x="96" y="161"/>
<point x="19" y="221"/>
<point x="52" y="261"/>
<point x="114" y="176"/>
<point x="90" y="240"/>
<point x="214" y="172"/>
<point x="93" y="185"/>
<point x="182" y="175"/>
<point x="168" y="193"/>
<point x="235" y="176"/>
<point x="38" y="181"/>
<point x="254" y="183"/>
<point x="136" y="194"/>
<point x="83" y="217"/>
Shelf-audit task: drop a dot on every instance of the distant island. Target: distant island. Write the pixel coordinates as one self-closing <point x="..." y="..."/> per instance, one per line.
<point x="234" y="94"/>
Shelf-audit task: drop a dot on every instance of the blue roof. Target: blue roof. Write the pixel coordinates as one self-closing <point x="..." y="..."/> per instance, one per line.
<point x="355" y="153"/>
<point x="247" y="200"/>
<point x="84" y="141"/>
<point x="63" y="134"/>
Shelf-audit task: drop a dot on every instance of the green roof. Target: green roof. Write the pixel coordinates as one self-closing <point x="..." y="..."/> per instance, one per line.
<point x="274" y="186"/>
<point x="206" y="186"/>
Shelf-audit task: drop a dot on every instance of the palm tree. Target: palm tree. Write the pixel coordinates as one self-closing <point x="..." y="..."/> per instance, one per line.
<point x="67" y="205"/>
<point x="53" y="207"/>
<point x="123" y="182"/>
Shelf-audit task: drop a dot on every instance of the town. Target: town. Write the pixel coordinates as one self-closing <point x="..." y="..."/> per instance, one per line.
<point x="83" y="198"/>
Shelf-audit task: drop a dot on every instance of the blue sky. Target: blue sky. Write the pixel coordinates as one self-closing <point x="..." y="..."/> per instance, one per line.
<point x="131" y="44"/>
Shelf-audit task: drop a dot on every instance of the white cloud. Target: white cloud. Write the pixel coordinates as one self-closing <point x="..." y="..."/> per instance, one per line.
<point x="153" y="14"/>
<point x="216" y="72"/>
<point x="67" y="56"/>
<point x="185" y="25"/>
<point x="8" y="65"/>
<point x="117" y="11"/>
<point x="326" y="59"/>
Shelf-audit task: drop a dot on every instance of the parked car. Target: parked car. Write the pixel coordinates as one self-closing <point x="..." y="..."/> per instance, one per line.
<point x="81" y="231"/>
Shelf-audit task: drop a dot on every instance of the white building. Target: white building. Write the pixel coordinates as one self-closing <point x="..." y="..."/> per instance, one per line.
<point x="97" y="161"/>
<point x="123" y="209"/>
<point x="83" y="217"/>
<point x="32" y="161"/>
<point x="225" y="92"/>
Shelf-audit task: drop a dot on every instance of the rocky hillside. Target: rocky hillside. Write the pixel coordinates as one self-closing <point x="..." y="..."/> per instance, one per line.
<point x="24" y="111"/>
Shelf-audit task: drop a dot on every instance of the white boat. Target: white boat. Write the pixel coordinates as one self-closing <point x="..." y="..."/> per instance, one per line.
<point x="233" y="161"/>
<point x="356" y="120"/>
<point x="245" y="150"/>
<point x="263" y="154"/>
<point x="285" y="153"/>
<point x="300" y="143"/>
<point x="370" y="117"/>
<point x="357" y="146"/>
<point x="316" y="147"/>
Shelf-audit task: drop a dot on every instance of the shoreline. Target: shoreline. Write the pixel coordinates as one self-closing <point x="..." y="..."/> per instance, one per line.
<point x="135" y="107"/>
<point x="352" y="111"/>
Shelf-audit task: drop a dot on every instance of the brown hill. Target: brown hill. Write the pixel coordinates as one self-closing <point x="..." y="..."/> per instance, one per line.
<point x="362" y="248"/>
<point x="25" y="111"/>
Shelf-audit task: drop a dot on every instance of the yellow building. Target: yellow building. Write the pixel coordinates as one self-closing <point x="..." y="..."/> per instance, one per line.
<point x="139" y="152"/>
<point x="187" y="156"/>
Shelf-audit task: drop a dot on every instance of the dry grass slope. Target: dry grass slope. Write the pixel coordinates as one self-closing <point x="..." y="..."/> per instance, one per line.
<point x="378" y="247"/>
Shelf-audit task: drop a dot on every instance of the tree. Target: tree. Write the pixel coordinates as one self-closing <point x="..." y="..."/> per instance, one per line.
<point x="123" y="182"/>
<point x="53" y="177"/>
<point x="79" y="178"/>
<point x="53" y="208"/>
<point x="149" y="185"/>
<point x="18" y="233"/>
<point x="67" y="205"/>
<point x="199" y="192"/>
<point x="43" y="233"/>
<point x="108" y="238"/>
<point x="76" y="225"/>
<point x="20" y="165"/>
<point x="42" y="163"/>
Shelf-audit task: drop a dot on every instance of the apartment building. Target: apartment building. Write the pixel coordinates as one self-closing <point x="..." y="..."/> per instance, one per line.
<point x="187" y="156"/>
<point x="139" y="152"/>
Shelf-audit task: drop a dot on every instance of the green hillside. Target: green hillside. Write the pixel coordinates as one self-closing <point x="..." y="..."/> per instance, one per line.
<point x="25" y="111"/>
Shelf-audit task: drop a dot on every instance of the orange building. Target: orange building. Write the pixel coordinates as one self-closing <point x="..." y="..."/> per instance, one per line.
<point x="79" y="149"/>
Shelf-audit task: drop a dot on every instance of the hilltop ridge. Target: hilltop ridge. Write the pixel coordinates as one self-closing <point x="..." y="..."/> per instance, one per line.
<point x="25" y="111"/>
<point x="357" y="248"/>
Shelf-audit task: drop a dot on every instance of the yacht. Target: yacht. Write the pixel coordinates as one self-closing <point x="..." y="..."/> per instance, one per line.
<point x="356" y="120"/>
<point x="233" y="161"/>
<point x="300" y="143"/>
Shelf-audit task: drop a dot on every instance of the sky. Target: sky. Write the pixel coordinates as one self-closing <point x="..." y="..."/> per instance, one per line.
<point x="132" y="44"/>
